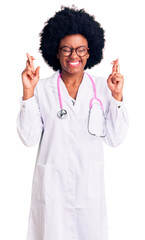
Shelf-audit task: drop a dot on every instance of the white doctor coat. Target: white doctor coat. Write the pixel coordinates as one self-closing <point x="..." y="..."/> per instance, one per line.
<point x="68" y="195"/>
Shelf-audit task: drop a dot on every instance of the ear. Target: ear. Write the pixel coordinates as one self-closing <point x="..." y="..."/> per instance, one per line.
<point x="57" y="55"/>
<point x="88" y="55"/>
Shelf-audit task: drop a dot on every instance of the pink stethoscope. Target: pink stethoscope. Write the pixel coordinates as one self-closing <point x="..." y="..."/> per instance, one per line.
<point x="62" y="113"/>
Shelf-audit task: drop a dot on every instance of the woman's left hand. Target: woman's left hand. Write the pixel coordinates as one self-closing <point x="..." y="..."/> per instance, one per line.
<point x="115" y="81"/>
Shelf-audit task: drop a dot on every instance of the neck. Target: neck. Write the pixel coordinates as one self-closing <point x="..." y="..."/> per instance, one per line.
<point x="72" y="79"/>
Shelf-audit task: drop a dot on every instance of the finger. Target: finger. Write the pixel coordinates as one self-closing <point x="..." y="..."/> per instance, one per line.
<point x="113" y="68"/>
<point x="31" y="57"/>
<point x="29" y="74"/>
<point x="37" y="71"/>
<point x="117" y="80"/>
<point x="29" y="68"/>
<point x="116" y="74"/>
<point x="27" y="64"/>
<point x="110" y="78"/>
<point x="116" y="67"/>
<point x="30" y="60"/>
<point x="114" y="80"/>
<point x="117" y="61"/>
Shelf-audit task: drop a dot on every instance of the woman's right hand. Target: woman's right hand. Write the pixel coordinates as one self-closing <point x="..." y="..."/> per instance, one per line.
<point x="30" y="78"/>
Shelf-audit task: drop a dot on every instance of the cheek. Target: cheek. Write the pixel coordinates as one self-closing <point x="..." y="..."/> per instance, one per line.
<point x="61" y="60"/>
<point x="85" y="60"/>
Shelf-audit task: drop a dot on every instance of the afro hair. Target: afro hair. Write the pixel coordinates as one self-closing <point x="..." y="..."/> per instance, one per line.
<point x="69" y="21"/>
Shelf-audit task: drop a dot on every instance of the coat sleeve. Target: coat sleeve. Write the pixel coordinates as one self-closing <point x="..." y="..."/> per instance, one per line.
<point x="116" y="122"/>
<point x="29" y="121"/>
<point x="116" y="116"/>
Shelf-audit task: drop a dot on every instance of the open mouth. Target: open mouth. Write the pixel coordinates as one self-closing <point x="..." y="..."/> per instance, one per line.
<point x="73" y="63"/>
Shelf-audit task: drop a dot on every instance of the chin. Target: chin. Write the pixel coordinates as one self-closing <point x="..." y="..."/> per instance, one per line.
<point x="73" y="70"/>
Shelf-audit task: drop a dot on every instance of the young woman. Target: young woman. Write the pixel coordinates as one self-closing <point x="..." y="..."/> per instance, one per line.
<point x="72" y="113"/>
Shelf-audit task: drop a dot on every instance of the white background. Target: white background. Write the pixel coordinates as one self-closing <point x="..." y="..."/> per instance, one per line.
<point x="123" y="21"/>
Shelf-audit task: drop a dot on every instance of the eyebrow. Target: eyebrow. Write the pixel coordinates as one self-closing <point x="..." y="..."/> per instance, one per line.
<point x="72" y="47"/>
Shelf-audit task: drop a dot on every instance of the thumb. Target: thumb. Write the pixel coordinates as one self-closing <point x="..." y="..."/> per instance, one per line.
<point x="110" y="77"/>
<point x="37" y="71"/>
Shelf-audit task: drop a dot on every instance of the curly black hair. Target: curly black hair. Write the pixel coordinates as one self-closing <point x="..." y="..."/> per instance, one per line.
<point x="70" y="21"/>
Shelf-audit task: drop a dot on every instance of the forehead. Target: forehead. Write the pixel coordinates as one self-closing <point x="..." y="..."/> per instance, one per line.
<point x="75" y="40"/>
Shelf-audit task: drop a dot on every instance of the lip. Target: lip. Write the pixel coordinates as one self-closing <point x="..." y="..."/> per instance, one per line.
<point x="73" y="63"/>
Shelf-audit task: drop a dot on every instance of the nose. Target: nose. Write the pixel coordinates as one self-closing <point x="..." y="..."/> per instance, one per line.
<point x="73" y="54"/>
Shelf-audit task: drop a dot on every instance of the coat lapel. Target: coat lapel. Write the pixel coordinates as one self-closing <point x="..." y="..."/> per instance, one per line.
<point x="84" y="94"/>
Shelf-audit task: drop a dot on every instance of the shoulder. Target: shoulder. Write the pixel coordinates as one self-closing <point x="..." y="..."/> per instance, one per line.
<point x="47" y="83"/>
<point x="99" y="81"/>
<point x="49" y="80"/>
<point x="102" y="89"/>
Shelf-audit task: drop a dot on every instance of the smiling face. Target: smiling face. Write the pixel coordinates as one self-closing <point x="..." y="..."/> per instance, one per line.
<point x="72" y="64"/>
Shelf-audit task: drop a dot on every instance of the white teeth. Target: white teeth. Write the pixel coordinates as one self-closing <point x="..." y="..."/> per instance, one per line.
<point x="73" y="63"/>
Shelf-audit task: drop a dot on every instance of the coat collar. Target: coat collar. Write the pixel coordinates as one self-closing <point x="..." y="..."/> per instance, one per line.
<point x="85" y="92"/>
<point x="52" y="81"/>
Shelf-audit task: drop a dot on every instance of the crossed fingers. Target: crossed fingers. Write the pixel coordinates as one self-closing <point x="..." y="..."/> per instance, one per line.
<point x="30" y="63"/>
<point x="116" y="66"/>
<point x="30" y="70"/>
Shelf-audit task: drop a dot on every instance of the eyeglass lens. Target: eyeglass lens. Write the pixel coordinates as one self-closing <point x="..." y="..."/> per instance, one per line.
<point x="81" y="51"/>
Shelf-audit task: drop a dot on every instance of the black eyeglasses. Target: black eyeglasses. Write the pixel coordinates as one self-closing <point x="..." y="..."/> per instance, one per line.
<point x="81" y="51"/>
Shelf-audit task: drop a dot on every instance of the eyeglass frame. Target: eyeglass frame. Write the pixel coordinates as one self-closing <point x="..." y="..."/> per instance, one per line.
<point x="72" y="49"/>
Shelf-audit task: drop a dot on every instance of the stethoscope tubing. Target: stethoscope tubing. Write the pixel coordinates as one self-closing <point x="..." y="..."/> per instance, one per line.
<point x="95" y="94"/>
<point x="59" y="94"/>
<point x="91" y="101"/>
<point x="62" y="114"/>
